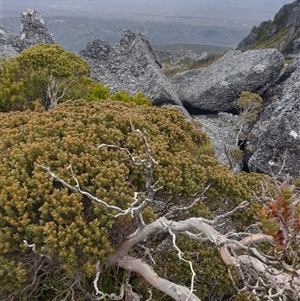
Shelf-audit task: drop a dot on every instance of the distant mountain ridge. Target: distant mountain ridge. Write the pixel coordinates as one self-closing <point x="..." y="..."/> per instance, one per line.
<point x="283" y="33"/>
<point x="73" y="33"/>
<point x="208" y="22"/>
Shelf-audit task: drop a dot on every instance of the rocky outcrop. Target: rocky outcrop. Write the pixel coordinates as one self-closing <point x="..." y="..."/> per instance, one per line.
<point x="97" y="50"/>
<point x="8" y="43"/>
<point x="255" y="34"/>
<point x="33" y="31"/>
<point x="217" y="87"/>
<point x="275" y="139"/>
<point x="273" y="142"/>
<point x="281" y="33"/>
<point x="131" y="65"/>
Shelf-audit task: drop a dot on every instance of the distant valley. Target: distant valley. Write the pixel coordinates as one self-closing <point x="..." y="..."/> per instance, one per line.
<point x="75" y="23"/>
<point x="73" y="33"/>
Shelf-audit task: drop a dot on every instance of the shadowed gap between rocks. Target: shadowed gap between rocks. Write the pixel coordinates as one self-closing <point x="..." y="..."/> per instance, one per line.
<point x="196" y="111"/>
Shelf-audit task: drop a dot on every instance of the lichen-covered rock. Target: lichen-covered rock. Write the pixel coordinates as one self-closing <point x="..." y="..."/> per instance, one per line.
<point x="222" y="133"/>
<point x="96" y="49"/>
<point x="8" y="43"/>
<point x="217" y="87"/>
<point x="275" y="139"/>
<point x="33" y="30"/>
<point x="131" y="65"/>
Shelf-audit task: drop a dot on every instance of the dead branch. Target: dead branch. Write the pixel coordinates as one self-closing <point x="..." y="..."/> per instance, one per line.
<point x="260" y="273"/>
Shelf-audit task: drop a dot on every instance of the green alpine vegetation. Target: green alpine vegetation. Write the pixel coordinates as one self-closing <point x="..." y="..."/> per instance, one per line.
<point x="47" y="74"/>
<point x="106" y="197"/>
<point x="70" y="232"/>
<point x="282" y="33"/>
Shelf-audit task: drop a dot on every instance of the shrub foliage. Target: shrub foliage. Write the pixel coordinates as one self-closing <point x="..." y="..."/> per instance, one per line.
<point x="72" y="234"/>
<point x="48" y="74"/>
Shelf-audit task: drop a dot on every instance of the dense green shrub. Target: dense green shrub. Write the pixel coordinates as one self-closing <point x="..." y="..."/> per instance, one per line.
<point x="98" y="91"/>
<point x="43" y="72"/>
<point x="49" y="74"/>
<point x="250" y="104"/>
<point x="72" y="234"/>
<point x="139" y="98"/>
<point x="11" y="89"/>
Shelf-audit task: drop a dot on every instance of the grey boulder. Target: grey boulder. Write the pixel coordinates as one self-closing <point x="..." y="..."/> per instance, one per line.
<point x="217" y="87"/>
<point x="275" y="139"/>
<point x="131" y="65"/>
<point x="221" y="131"/>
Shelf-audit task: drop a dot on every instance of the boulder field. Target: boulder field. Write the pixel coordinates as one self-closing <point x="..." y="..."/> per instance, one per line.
<point x="271" y="144"/>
